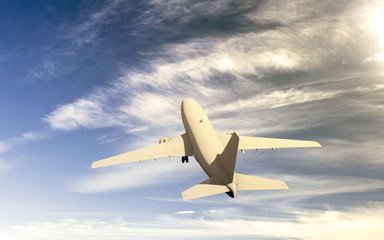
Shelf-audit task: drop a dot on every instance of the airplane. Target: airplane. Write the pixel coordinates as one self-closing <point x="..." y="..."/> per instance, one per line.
<point x="215" y="152"/>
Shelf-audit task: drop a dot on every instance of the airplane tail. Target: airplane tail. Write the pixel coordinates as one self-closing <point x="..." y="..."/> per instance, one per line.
<point x="227" y="159"/>
<point x="232" y="181"/>
<point x="212" y="185"/>
<point x="243" y="182"/>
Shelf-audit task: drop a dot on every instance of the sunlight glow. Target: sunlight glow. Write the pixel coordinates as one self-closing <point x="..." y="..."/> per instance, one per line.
<point x="282" y="61"/>
<point x="376" y="22"/>
<point x="225" y="64"/>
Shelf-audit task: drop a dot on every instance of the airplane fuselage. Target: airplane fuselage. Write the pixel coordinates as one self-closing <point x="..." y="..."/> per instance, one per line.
<point x="206" y="144"/>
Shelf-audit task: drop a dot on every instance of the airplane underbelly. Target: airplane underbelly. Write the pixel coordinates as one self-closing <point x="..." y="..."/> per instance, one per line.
<point x="205" y="142"/>
<point x="209" y="144"/>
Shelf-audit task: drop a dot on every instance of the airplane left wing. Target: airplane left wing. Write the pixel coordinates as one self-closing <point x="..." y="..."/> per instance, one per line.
<point x="267" y="143"/>
<point x="178" y="146"/>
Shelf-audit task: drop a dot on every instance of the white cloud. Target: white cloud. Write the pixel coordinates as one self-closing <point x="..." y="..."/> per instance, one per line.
<point x="191" y="69"/>
<point x="182" y="11"/>
<point x="88" y="30"/>
<point x="199" y="68"/>
<point x="306" y="187"/>
<point x="184" y="212"/>
<point x="278" y="98"/>
<point x="4" y="166"/>
<point x="134" y="175"/>
<point x="378" y="58"/>
<point x="3" y="147"/>
<point x="7" y="144"/>
<point x="82" y="113"/>
<point x="154" y="108"/>
<point x="354" y="224"/>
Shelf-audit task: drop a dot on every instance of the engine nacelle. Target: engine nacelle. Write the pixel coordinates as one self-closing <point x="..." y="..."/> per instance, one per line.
<point x="164" y="139"/>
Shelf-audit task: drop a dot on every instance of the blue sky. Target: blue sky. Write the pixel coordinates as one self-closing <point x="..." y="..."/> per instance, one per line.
<point x="85" y="80"/>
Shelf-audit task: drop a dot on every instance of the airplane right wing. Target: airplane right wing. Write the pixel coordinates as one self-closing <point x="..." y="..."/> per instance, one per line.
<point x="178" y="146"/>
<point x="267" y="143"/>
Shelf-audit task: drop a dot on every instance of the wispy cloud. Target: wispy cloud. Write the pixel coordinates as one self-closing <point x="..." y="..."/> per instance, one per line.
<point x="3" y="147"/>
<point x="355" y="224"/>
<point x="7" y="144"/>
<point x="206" y="67"/>
<point x="4" y="166"/>
<point x="87" y="32"/>
<point x="184" y="212"/>
<point x="148" y="173"/>
<point x="82" y="113"/>
<point x="235" y="78"/>
<point x="282" y="98"/>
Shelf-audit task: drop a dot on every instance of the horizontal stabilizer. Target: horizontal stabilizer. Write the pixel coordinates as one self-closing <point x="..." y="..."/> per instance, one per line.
<point x="246" y="182"/>
<point x="204" y="189"/>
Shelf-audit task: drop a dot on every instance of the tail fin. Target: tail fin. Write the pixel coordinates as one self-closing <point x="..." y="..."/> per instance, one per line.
<point x="246" y="182"/>
<point x="203" y="189"/>
<point x="229" y="155"/>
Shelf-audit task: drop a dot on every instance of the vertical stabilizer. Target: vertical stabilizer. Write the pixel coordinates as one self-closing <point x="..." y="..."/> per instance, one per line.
<point x="228" y="157"/>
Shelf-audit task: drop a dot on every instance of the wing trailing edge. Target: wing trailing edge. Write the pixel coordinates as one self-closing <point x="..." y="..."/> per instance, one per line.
<point x="178" y="146"/>
<point x="267" y="143"/>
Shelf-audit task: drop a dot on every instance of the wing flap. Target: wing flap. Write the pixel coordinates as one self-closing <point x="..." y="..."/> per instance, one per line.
<point x="246" y="182"/>
<point x="268" y="143"/>
<point x="178" y="146"/>
<point x="203" y="189"/>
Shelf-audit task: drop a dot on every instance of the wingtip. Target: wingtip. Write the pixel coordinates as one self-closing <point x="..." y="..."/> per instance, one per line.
<point x="183" y="197"/>
<point x="95" y="165"/>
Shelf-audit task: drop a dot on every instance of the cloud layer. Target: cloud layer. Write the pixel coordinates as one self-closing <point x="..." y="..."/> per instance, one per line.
<point x="356" y="224"/>
<point x="300" y="70"/>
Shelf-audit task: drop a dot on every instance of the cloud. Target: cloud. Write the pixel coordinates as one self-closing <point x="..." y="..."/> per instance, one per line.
<point x="245" y="82"/>
<point x="306" y="188"/>
<point x="377" y="58"/>
<point x="148" y="173"/>
<point x="82" y="113"/>
<point x="275" y="74"/>
<point x="87" y="32"/>
<point x="279" y="98"/>
<point x="209" y="66"/>
<point x="7" y="144"/>
<point x="3" y="147"/>
<point x="184" y="212"/>
<point x="45" y="70"/>
<point x="354" y="224"/>
<point x="4" y="166"/>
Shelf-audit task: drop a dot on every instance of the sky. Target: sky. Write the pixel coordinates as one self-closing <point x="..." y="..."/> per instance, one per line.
<point x="85" y="80"/>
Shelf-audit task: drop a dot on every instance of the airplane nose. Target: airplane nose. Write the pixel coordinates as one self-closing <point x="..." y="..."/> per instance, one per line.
<point x="187" y="103"/>
<point x="191" y="110"/>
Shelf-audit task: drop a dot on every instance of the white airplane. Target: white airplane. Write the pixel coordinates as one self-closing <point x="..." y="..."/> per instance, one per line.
<point x="215" y="152"/>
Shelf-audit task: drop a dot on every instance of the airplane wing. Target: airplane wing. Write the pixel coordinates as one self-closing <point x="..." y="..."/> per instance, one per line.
<point x="178" y="146"/>
<point x="267" y="143"/>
